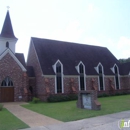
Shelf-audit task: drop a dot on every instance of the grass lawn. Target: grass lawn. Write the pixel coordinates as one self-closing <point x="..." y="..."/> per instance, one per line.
<point x="67" y="111"/>
<point x="9" y="122"/>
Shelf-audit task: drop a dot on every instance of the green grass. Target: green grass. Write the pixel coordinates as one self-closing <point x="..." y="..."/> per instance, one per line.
<point x="9" y="122"/>
<point x="67" y="111"/>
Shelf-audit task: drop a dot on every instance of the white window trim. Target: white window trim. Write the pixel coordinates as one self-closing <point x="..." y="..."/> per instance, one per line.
<point x="117" y="69"/>
<point x="54" y="68"/>
<point x="104" y="88"/>
<point x="77" y="68"/>
<point x="97" y="69"/>
<point x="119" y="82"/>
<point x="112" y="69"/>
<point x="118" y="76"/>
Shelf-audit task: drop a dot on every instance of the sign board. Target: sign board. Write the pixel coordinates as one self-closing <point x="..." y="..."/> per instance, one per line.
<point x="20" y="97"/>
<point x="86" y="99"/>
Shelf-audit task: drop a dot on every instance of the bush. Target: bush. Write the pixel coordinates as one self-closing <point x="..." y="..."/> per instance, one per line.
<point x="103" y="95"/>
<point x="1" y="107"/>
<point x="113" y="94"/>
<point x="35" y="100"/>
<point x="61" y="98"/>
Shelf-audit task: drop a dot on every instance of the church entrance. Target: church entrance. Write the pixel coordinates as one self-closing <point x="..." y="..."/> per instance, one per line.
<point x="7" y="94"/>
<point x="7" y="90"/>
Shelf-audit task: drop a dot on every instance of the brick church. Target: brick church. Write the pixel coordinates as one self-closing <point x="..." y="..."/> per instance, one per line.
<point x="57" y="67"/>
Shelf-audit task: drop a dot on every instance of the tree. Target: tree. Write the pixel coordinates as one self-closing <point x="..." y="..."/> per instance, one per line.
<point x="124" y="60"/>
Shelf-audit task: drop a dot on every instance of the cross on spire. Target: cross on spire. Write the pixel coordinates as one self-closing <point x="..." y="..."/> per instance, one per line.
<point x="7" y="30"/>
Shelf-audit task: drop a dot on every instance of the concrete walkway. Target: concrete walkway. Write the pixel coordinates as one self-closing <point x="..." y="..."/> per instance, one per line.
<point x="29" y="117"/>
<point x="40" y="122"/>
<point x="107" y="122"/>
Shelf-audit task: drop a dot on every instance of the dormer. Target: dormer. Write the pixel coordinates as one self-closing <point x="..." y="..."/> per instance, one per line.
<point x="7" y="37"/>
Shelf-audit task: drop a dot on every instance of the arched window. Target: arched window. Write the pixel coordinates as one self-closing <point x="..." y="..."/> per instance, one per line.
<point x="82" y="77"/>
<point x="3" y="83"/>
<point x="101" y="77"/>
<point x="7" y="44"/>
<point x="59" y="77"/>
<point x="7" y="82"/>
<point x="116" y="77"/>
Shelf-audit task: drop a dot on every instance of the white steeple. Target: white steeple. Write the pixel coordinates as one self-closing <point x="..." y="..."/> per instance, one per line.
<point x="7" y="37"/>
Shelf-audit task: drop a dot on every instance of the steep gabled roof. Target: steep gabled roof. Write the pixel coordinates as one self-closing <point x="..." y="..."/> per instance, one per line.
<point x="70" y="54"/>
<point x="30" y="71"/>
<point x="20" y="57"/>
<point x="125" y="68"/>
<point x="7" y="30"/>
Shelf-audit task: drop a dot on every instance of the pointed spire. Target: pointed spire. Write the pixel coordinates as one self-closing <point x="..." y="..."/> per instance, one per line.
<point x="7" y="30"/>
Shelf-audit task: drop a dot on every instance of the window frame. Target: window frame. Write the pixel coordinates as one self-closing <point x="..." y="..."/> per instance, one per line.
<point x="116" y="76"/>
<point x="7" y="82"/>
<point x="81" y="75"/>
<point x="56" y="76"/>
<point x="7" y="44"/>
<point x="103" y="82"/>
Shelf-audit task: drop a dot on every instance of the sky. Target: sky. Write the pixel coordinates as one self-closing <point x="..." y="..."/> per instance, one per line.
<point x="95" y="22"/>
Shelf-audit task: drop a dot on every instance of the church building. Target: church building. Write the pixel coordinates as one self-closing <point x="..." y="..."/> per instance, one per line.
<point x="57" y="67"/>
<point x="14" y="79"/>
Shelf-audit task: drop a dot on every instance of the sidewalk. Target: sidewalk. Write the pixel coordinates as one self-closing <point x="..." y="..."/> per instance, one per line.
<point x="106" y="122"/>
<point x="40" y="122"/>
<point x="29" y="117"/>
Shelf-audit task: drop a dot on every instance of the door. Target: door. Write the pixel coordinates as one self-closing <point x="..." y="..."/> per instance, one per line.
<point x="7" y="94"/>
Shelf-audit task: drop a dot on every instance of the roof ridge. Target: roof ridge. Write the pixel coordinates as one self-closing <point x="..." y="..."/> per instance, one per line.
<point x="67" y="42"/>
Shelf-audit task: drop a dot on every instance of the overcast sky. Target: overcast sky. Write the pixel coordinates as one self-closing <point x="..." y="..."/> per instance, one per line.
<point x="95" y="22"/>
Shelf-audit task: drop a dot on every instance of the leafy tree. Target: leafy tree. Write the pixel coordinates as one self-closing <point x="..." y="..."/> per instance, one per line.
<point x="124" y="60"/>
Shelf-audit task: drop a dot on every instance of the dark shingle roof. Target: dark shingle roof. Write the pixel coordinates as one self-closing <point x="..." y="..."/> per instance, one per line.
<point x="70" y="54"/>
<point x="30" y="71"/>
<point x="7" y="30"/>
<point x="125" y="68"/>
<point x="20" y="57"/>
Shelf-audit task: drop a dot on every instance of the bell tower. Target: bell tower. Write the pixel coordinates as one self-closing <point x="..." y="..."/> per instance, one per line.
<point x="7" y="37"/>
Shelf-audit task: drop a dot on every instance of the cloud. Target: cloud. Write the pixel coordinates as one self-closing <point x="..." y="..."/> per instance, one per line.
<point x="124" y="42"/>
<point x="120" y="47"/>
<point x="71" y="33"/>
<point x="123" y="47"/>
<point x="93" y="41"/>
<point x="91" y="8"/>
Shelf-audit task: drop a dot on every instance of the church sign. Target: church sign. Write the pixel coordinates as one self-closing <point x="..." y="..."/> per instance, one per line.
<point x="88" y="100"/>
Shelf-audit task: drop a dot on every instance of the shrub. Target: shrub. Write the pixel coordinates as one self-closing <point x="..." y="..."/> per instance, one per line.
<point x="60" y="98"/>
<point x="35" y="100"/>
<point x="1" y="107"/>
<point x="113" y="94"/>
<point x="118" y="94"/>
<point x="103" y="95"/>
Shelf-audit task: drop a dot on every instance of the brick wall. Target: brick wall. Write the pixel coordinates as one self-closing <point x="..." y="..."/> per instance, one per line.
<point x="45" y="85"/>
<point x="32" y="83"/>
<point x="70" y="82"/>
<point x="9" y="67"/>
<point x="33" y="61"/>
<point x="91" y="82"/>
<point x="125" y="82"/>
<point x="48" y="86"/>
